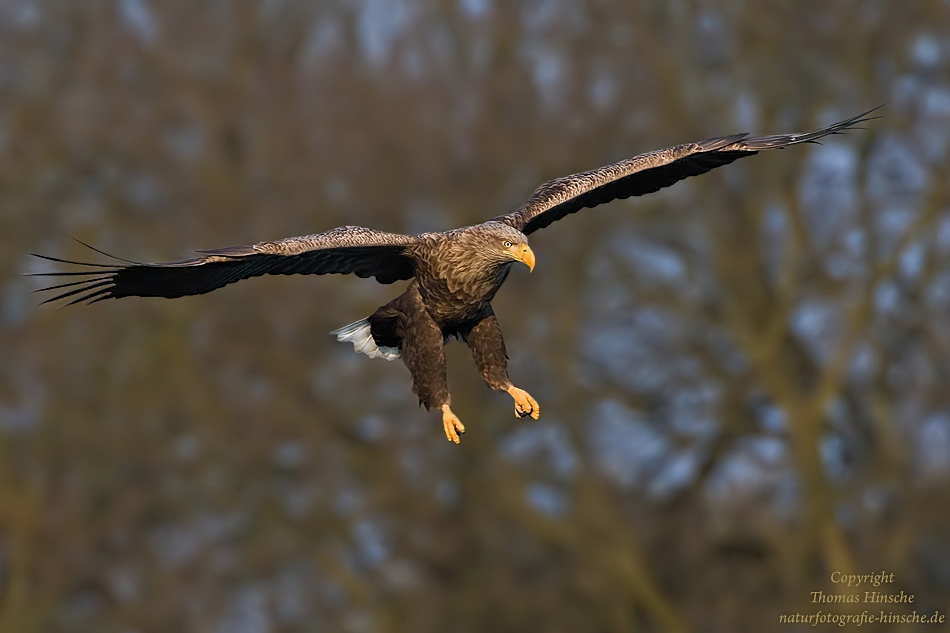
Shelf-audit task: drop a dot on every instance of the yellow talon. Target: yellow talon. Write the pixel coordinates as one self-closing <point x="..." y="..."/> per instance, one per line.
<point x="525" y="405"/>
<point x="452" y="425"/>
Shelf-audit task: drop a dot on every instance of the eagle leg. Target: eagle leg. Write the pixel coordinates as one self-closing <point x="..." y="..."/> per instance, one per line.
<point x="488" y="349"/>
<point x="525" y="405"/>
<point x="451" y="423"/>
<point x="422" y="343"/>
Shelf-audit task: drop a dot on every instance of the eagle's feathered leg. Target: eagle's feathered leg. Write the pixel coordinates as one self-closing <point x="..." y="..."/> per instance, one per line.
<point x="422" y="343"/>
<point x="491" y="358"/>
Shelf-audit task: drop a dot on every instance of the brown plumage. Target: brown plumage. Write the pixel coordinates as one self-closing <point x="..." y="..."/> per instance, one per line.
<point x="454" y="274"/>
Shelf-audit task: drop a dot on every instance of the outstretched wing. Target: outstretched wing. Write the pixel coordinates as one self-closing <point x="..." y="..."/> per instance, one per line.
<point x="651" y="172"/>
<point x="348" y="249"/>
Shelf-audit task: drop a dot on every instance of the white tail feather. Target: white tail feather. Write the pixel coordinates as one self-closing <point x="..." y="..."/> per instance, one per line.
<point x="359" y="335"/>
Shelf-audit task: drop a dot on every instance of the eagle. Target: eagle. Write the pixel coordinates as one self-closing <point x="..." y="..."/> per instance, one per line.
<point x="454" y="274"/>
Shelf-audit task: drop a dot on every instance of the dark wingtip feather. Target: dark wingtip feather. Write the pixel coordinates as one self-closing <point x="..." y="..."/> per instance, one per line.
<point x="70" y="293"/>
<point x="852" y="122"/>
<point x="102" y="294"/>
<point x="72" y="283"/>
<point x="100" y="281"/>
<point x="784" y="140"/>
<point x="67" y="261"/>
<point x="127" y="261"/>
<point x="72" y="273"/>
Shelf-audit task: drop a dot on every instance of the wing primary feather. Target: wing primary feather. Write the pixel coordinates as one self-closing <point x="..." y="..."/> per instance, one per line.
<point x="72" y="283"/>
<point x="85" y="297"/>
<point x="68" y="261"/>
<point x="72" y="274"/>
<point x="127" y="261"/>
<point x="769" y="142"/>
<point x="77" y="290"/>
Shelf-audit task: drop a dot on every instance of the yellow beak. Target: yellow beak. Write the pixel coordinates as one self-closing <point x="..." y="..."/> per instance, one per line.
<point x="526" y="257"/>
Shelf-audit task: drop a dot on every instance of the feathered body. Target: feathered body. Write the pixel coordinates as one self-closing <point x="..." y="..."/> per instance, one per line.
<point x="454" y="275"/>
<point x="457" y="275"/>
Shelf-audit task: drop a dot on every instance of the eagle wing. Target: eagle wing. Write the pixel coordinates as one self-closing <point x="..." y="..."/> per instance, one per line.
<point x="651" y="172"/>
<point x="344" y="250"/>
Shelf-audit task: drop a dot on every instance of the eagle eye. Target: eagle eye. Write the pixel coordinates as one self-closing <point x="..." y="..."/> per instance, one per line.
<point x="507" y="244"/>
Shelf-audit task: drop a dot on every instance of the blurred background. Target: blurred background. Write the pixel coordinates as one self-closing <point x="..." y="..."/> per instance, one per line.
<point x="743" y="379"/>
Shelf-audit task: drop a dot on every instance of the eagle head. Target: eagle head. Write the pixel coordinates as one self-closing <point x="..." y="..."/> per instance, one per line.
<point x="505" y="244"/>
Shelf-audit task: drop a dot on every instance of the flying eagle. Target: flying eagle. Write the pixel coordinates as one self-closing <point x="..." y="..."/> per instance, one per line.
<point x="454" y="274"/>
